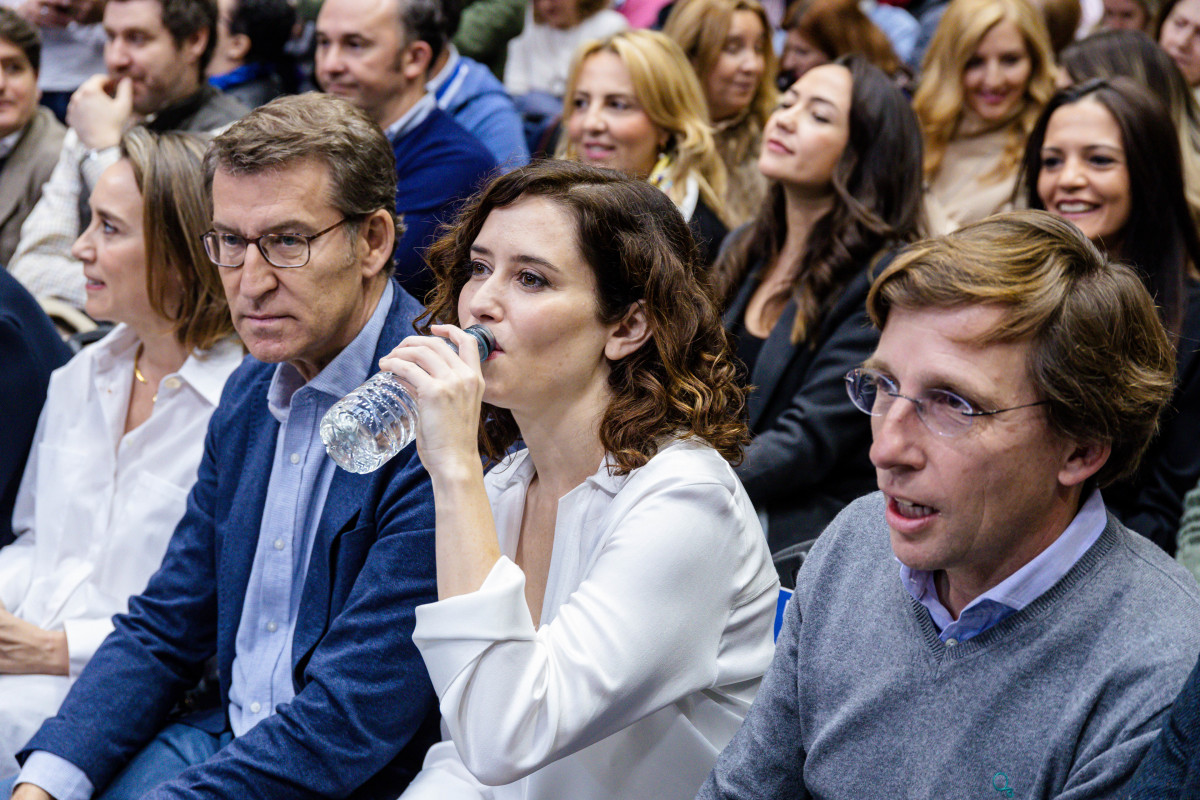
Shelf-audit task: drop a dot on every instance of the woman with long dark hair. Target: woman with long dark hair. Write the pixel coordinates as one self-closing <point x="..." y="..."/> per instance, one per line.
<point x="1105" y="156"/>
<point x="843" y="152"/>
<point x="1111" y="54"/>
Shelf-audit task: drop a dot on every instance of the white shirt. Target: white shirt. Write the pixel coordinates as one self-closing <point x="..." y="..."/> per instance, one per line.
<point x="540" y="57"/>
<point x="656" y="629"/>
<point x="97" y="506"/>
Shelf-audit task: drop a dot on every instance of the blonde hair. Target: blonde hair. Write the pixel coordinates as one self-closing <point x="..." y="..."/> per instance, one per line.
<point x="669" y="92"/>
<point x="700" y="27"/>
<point x="182" y="283"/>
<point x="939" y="99"/>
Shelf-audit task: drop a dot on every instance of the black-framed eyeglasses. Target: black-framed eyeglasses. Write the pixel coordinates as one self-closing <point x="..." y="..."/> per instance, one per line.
<point x="284" y="250"/>
<point x="940" y="410"/>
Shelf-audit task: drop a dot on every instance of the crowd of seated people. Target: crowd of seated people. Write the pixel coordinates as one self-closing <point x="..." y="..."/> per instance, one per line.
<point x="906" y="321"/>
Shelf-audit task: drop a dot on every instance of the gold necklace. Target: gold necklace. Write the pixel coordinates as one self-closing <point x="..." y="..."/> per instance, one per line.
<point x="137" y="373"/>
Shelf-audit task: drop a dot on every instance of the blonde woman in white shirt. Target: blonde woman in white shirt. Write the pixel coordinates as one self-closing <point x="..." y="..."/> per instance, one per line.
<point x="606" y="594"/>
<point x="120" y="436"/>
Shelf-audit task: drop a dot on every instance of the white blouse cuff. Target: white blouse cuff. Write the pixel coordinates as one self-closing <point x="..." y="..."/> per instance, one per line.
<point x="84" y="637"/>
<point x="452" y="633"/>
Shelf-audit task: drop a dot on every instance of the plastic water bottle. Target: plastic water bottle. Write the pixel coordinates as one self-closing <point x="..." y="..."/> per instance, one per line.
<point x="378" y="419"/>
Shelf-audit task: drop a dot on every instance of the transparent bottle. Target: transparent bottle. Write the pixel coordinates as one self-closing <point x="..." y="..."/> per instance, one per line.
<point x="377" y="420"/>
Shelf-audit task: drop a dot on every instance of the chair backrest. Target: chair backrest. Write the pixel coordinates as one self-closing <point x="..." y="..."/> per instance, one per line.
<point x="780" y="605"/>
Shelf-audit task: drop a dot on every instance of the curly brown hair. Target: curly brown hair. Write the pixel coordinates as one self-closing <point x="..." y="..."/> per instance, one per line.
<point x="683" y="381"/>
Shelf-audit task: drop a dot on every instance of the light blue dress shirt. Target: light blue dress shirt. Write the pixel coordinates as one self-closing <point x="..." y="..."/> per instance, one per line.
<point x="300" y="476"/>
<point x="1017" y="590"/>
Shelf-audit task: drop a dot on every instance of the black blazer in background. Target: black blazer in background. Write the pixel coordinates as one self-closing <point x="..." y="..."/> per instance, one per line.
<point x="809" y="455"/>
<point x="1151" y="501"/>
<point x="30" y="349"/>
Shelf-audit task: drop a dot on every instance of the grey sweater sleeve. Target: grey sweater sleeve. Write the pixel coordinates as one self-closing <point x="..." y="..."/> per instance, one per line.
<point x="765" y="758"/>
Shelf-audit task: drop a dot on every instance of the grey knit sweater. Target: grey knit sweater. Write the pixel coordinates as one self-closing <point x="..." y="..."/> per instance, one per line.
<point x="1059" y="700"/>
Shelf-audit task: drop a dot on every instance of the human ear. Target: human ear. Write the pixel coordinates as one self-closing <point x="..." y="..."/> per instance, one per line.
<point x="417" y="58"/>
<point x="629" y="334"/>
<point x="1083" y="461"/>
<point x="377" y="235"/>
<point x="193" y="46"/>
<point x="239" y="47"/>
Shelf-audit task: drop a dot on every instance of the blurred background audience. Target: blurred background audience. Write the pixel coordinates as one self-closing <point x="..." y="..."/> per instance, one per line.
<point x="728" y="43"/>
<point x="634" y="105"/>
<point x="988" y="72"/>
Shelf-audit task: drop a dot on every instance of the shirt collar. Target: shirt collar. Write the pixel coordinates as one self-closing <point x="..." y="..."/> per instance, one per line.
<point x="434" y="85"/>
<point x="9" y="143"/>
<point x="207" y="372"/>
<point x="239" y="76"/>
<point x="411" y="118"/>
<point x="519" y="469"/>
<point x="1030" y="581"/>
<point x="340" y="376"/>
<point x="172" y="117"/>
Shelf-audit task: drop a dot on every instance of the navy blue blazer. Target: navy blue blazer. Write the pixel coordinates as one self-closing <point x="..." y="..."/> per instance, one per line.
<point x="364" y="711"/>
<point x="809" y="456"/>
<point x="30" y="349"/>
<point x="439" y="164"/>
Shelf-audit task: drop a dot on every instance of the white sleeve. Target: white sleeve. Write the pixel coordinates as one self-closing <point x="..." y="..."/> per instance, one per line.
<point x="84" y="637"/>
<point x="643" y="629"/>
<point x="444" y="777"/>
<point x="517" y="76"/>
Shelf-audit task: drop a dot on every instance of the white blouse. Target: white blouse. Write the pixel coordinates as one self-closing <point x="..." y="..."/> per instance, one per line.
<point x="539" y="59"/>
<point x="96" y="506"/>
<point x="656" y="629"/>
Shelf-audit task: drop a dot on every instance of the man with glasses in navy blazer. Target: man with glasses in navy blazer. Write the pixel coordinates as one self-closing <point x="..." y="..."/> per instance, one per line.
<point x="301" y="578"/>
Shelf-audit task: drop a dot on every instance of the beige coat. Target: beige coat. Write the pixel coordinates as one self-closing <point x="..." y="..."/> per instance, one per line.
<point x="964" y="187"/>
<point x="25" y="170"/>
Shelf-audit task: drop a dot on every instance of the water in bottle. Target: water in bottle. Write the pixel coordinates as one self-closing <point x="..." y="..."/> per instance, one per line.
<point x="378" y="419"/>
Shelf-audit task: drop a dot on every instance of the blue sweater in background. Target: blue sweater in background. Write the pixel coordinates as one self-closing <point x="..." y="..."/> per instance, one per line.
<point x="473" y="96"/>
<point x="438" y="165"/>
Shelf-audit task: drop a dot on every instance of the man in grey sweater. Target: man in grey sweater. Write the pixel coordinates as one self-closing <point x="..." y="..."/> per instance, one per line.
<point x="981" y="627"/>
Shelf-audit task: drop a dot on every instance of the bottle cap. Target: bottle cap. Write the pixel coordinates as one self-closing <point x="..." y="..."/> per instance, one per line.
<point x="487" y="341"/>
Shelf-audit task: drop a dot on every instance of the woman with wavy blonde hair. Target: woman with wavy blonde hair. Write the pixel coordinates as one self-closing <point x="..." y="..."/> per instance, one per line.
<point x="985" y="79"/>
<point x="728" y="43"/>
<point x="633" y="104"/>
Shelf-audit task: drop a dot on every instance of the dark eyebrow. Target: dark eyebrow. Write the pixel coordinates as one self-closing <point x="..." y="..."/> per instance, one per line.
<point x="520" y="259"/>
<point x="824" y="101"/>
<point x="287" y="225"/>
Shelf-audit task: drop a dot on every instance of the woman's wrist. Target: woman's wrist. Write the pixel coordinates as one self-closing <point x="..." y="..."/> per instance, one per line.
<point x="57" y="658"/>
<point x="456" y="472"/>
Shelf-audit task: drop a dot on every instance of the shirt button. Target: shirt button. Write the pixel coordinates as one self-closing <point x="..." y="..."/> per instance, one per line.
<point x="272" y="626"/>
<point x="171" y="383"/>
<point x="279" y="544"/>
<point x="255" y="707"/>
<point x="951" y="642"/>
<point x="295" y="458"/>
